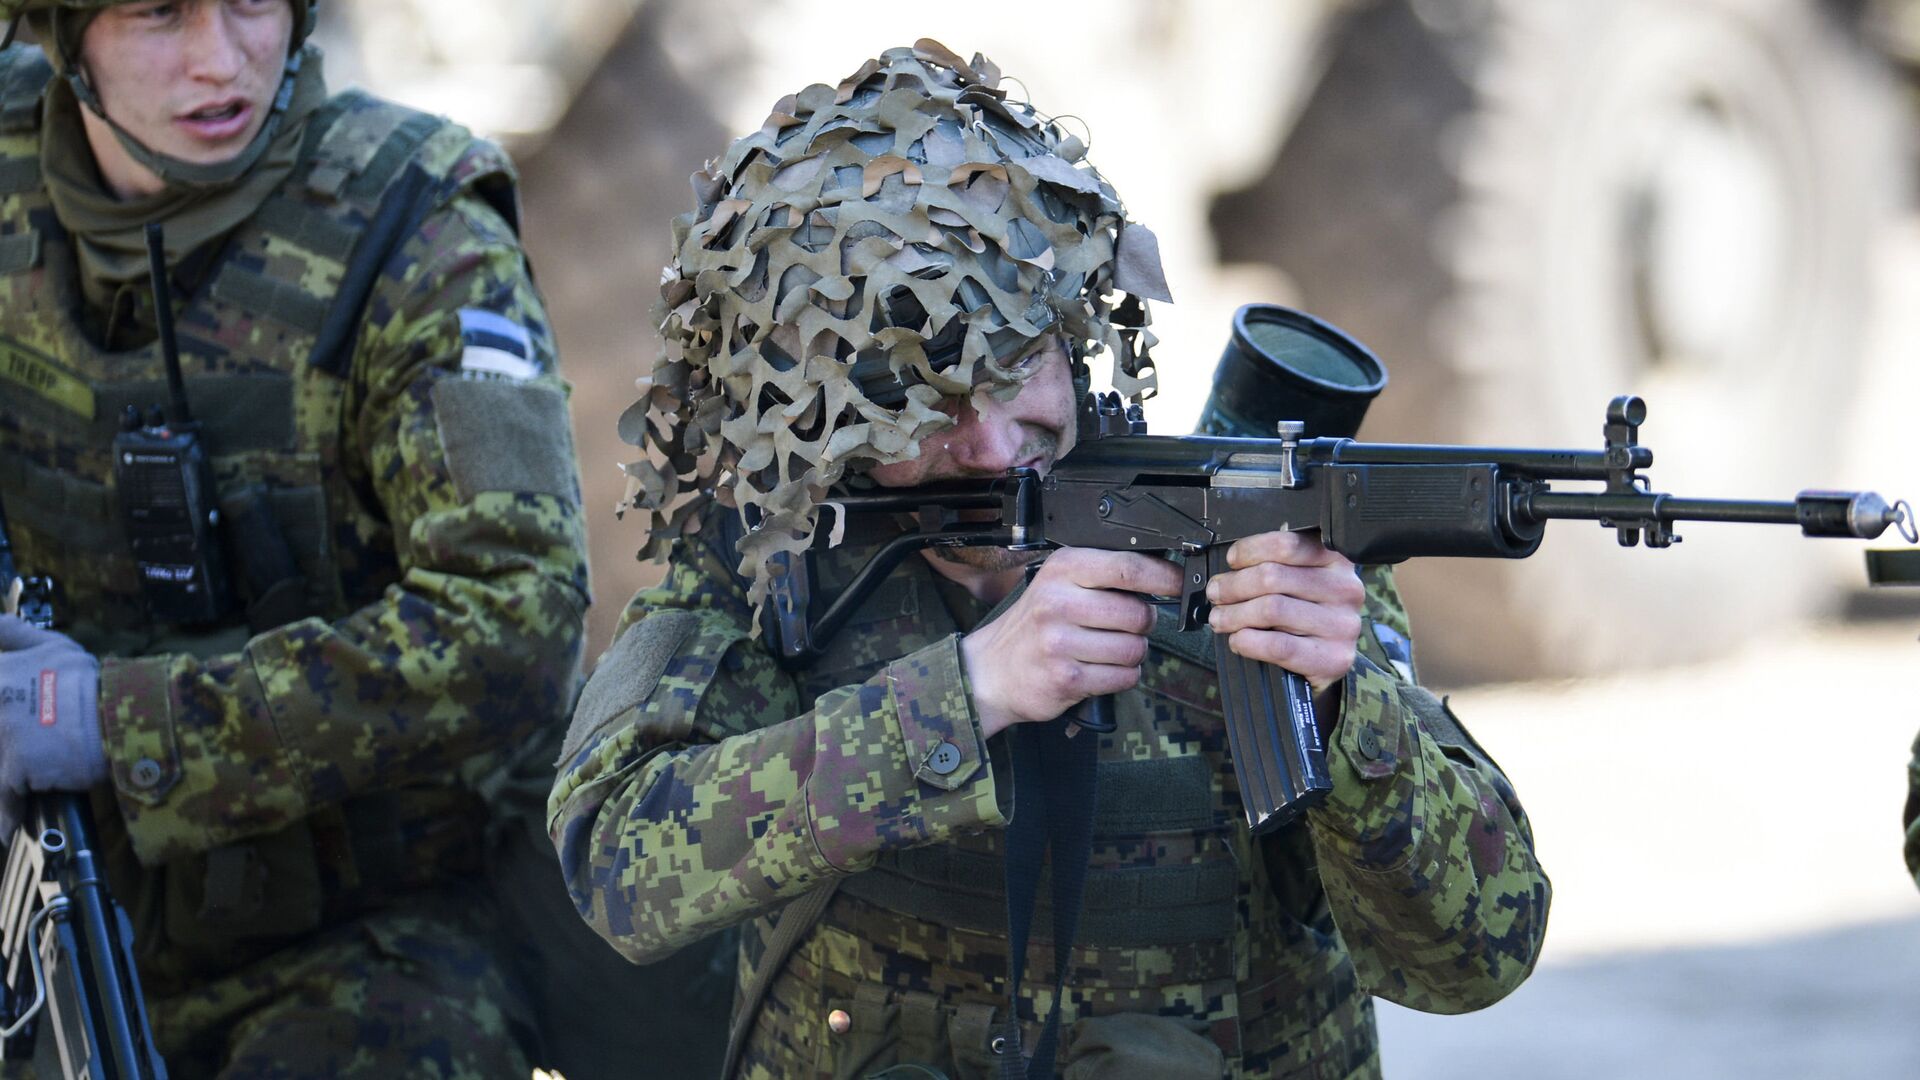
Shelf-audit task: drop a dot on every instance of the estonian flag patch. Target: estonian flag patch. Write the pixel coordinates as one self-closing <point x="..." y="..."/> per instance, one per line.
<point x="492" y="344"/>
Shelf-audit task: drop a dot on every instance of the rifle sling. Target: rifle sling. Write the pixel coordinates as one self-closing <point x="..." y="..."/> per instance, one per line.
<point x="1054" y="789"/>
<point x="796" y="919"/>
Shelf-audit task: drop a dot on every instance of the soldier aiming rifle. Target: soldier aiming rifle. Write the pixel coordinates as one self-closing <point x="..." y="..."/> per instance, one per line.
<point x="909" y="554"/>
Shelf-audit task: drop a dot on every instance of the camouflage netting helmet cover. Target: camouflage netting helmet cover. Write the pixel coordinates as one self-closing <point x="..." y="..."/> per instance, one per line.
<point x="877" y="247"/>
<point x="10" y="9"/>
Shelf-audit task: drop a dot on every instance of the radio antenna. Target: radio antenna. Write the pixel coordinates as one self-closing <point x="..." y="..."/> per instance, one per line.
<point x="177" y="411"/>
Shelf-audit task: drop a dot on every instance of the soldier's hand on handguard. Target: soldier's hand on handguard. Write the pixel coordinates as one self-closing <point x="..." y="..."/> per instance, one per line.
<point x="1290" y="601"/>
<point x="1079" y="629"/>
<point x="49" y="712"/>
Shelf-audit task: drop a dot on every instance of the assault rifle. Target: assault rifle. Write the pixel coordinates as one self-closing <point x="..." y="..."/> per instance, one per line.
<point x="1188" y="498"/>
<point x="66" y="947"/>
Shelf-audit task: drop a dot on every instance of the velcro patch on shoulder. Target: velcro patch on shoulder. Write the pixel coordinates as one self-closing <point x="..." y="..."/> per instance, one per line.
<point x="505" y="436"/>
<point x="626" y="676"/>
<point x="1436" y="716"/>
<point x="492" y="344"/>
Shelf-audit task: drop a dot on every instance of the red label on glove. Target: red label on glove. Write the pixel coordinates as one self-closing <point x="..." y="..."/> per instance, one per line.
<point x="46" y="698"/>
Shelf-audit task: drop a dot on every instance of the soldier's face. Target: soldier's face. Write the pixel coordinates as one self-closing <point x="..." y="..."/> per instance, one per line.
<point x="989" y="437"/>
<point x="190" y="79"/>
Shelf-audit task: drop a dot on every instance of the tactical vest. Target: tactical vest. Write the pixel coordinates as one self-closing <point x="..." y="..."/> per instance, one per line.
<point x="1186" y="914"/>
<point x="266" y="342"/>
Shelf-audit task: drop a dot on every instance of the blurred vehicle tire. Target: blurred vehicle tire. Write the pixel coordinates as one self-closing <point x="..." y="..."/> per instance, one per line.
<point x="1528" y="206"/>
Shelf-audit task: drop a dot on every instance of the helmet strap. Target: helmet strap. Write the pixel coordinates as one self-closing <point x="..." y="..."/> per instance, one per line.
<point x="172" y="170"/>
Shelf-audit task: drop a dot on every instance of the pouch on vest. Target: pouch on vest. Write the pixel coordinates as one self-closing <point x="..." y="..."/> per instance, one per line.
<point x="270" y="577"/>
<point x="339" y="862"/>
<point x="265" y="887"/>
<point x="892" y="1033"/>
<point x="1126" y="1045"/>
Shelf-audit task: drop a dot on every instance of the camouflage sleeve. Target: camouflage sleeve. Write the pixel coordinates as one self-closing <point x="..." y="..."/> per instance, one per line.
<point x="1423" y="847"/>
<point x="477" y="642"/>
<point x="1912" y="816"/>
<point x="694" y="793"/>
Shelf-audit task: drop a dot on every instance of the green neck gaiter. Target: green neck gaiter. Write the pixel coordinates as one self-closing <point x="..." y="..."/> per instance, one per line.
<point x="109" y="232"/>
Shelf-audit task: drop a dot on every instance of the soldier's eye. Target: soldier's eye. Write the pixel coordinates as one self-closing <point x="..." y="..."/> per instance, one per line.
<point x="1030" y="358"/>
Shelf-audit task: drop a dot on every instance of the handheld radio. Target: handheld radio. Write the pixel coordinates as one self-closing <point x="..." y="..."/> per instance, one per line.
<point x="165" y="484"/>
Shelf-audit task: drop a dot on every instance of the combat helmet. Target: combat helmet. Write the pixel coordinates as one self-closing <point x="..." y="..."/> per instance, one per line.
<point x="907" y="236"/>
<point x="59" y="23"/>
<point x="10" y="10"/>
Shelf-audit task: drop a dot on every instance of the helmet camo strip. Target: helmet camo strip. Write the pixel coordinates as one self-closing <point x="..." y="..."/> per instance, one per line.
<point x="906" y="237"/>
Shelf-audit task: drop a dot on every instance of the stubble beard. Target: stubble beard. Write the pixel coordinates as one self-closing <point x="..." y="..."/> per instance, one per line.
<point x="1043" y="446"/>
<point x="990" y="559"/>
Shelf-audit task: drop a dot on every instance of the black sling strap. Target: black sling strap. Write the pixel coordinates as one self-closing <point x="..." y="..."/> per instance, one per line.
<point x="1053" y="791"/>
<point x="403" y="208"/>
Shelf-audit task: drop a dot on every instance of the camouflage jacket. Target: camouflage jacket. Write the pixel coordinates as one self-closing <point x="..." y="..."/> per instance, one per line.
<point x="421" y="476"/>
<point x="703" y="786"/>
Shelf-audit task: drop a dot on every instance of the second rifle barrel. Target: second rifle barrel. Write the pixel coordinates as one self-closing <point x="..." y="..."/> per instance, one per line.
<point x="1539" y="464"/>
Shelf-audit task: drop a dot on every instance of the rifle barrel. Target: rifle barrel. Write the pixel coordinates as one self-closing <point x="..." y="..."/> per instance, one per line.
<point x="1586" y="506"/>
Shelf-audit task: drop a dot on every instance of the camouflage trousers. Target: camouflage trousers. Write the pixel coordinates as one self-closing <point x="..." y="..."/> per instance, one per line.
<point x="407" y="992"/>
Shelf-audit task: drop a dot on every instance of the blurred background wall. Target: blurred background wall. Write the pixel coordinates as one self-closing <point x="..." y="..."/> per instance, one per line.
<point x="1524" y="207"/>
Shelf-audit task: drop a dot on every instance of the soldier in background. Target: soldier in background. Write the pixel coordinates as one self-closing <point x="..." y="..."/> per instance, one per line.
<point x="288" y="785"/>
<point x="1911" y="819"/>
<point x="1897" y="567"/>
<point x="897" y="280"/>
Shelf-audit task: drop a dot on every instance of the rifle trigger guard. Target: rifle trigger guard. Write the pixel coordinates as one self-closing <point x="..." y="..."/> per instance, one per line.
<point x="32" y="944"/>
<point x="1194" y="605"/>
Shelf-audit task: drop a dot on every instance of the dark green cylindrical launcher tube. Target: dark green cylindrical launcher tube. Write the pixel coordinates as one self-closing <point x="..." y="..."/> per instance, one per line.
<point x="1282" y="364"/>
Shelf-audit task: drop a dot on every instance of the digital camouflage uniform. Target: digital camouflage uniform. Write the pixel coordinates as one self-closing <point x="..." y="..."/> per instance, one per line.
<point x="703" y="786"/>
<point x="292" y="811"/>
